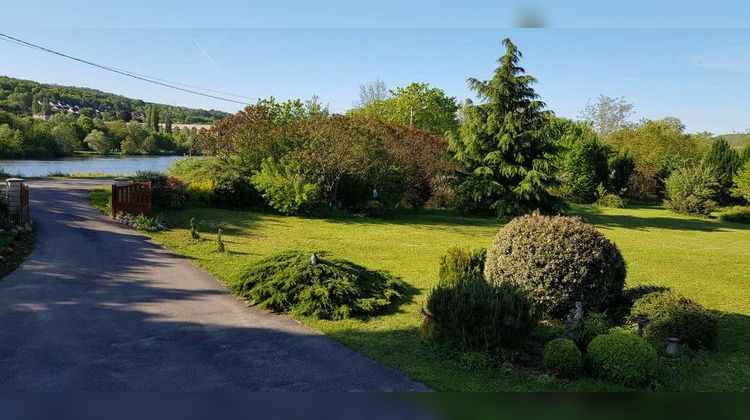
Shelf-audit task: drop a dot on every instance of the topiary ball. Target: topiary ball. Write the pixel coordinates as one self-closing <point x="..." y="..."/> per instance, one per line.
<point x="673" y="315"/>
<point x="558" y="261"/>
<point x="329" y="289"/>
<point x="562" y="357"/>
<point x="623" y="358"/>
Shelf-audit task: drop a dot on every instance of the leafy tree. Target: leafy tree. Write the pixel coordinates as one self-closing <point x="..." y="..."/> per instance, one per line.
<point x="86" y="124"/>
<point x="745" y="155"/>
<point x="416" y="105"/>
<point x="742" y="182"/>
<point x="98" y="142"/>
<point x="607" y="115"/>
<point x="168" y="123"/>
<point x="155" y="123"/>
<point x="11" y="142"/>
<point x="286" y="188"/>
<point x="584" y="168"/>
<point x="506" y="154"/>
<point x="621" y="166"/>
<point x="66" y="137"/>
<point x="372" y="92"/>
<point x="725" y="161"/>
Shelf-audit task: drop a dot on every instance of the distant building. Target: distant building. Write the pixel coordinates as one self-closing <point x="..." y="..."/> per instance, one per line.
<point x="42" y="115"/>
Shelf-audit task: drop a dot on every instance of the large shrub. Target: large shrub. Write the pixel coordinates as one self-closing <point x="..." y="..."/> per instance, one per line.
<point x="212" y="181"/>
<point x="623" y="358"/>
<point x="562" y="357"/>
<point x="167" y="192"/>
<point x="330" y="289"/>
<point x="692" y="189"/>
<point x="558" y="261"/>
<point x="286" y="188"/>
<point x="725" y="161"/>
<point x="621" y="166"/>
<point x="673" y="315"/>
<point x="475" y="315"/>
<point x="459" y="265"/>
<point x="584" y="169"/>
<point x="736" y="214"/>
<point x="644" y="183"/>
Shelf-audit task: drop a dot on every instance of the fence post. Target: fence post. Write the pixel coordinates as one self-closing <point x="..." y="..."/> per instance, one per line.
<point x="117" y="182"/>
<point x="14" y="186"/>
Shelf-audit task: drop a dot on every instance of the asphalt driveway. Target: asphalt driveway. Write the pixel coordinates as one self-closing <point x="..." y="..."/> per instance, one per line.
<point x="99" y="307"/>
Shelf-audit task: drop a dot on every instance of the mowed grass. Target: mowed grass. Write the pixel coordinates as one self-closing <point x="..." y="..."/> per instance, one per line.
<point x="706" y="260"/>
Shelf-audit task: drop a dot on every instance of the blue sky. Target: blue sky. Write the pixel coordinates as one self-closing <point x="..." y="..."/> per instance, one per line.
<point x="701" y="76"/>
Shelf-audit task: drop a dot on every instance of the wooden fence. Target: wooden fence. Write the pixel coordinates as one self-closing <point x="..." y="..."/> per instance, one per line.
<point x="132" y="198"/>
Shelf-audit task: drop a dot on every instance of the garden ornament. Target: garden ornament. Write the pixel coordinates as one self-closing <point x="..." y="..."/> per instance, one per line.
<point x="313" y="259"/>
<point x="672" y="346"/>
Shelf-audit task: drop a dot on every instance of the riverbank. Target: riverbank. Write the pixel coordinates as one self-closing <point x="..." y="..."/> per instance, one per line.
<point x="86" y="166"/>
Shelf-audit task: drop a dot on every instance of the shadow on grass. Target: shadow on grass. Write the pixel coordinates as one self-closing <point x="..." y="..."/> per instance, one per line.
<point x="597" y="217"/>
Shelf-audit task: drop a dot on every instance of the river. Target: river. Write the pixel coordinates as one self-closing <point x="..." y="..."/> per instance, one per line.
<point x="116" y="165"/>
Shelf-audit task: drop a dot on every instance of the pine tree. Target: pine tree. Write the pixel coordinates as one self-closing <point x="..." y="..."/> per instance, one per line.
<point x="724" y="161"/>
<point x="503" y="146"/>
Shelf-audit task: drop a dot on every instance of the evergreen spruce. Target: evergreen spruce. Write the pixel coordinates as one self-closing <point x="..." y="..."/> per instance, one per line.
<point x="219" y="242"/>
<point x="503" y="146"/>
<point x="725" y="161"/>
<point x="155" y="120"/>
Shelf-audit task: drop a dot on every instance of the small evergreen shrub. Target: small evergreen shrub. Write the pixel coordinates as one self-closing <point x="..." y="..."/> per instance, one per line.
<point x="584" y="330"/>
<point x="194" y="229"/>
<point x="330" y="289"/>
<point x="474" y="315"/>
<point x="562" y="357"/>
<point x="459" y="265"/>
<point x="558" y="261"/>
<point x="608" y="199"/>
<point x="200" y="191"/>
<point x="622" y="358"/>
<point x="141" y="223"/>
<point x="736" y="214"/>
<point x="220" y="242"/>
<point x="692" y="190"/>
<point x="673" y="315"/>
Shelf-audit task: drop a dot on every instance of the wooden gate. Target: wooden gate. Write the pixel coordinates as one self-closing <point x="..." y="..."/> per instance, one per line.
<point x="23" y="215"/>
<point x="133" y="198"/>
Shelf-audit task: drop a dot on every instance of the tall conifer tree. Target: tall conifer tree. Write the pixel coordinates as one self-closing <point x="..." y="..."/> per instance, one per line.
<point x="503" y="146"/>
<point x="725" y="161"/>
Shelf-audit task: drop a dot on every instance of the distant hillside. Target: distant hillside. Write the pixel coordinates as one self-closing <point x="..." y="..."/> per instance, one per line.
<point x="24" y="97"/>
<point x="737" y="141"/>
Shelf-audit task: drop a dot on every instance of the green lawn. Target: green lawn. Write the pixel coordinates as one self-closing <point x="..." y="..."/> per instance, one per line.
<point x="709" y="261"/>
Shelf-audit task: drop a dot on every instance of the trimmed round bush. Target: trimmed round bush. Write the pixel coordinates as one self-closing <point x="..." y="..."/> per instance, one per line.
<point x="329" y="289"/>
<point x="562" y="357"/>
<point x="474" y="315"/>
<point x="622" y="358"/>
<point x="673" y="315"/>
<point x="558" y="261"/>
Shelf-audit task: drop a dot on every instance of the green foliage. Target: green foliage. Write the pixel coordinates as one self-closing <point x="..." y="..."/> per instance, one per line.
<point x="99" y="142"/>
<point x="673" y="315"/>
<point x="563" y="358"/>
<point x="558" y="261"/>
<point x="584" y="330"/>
<point x="724" y="160"/>
<point x="742" y="182"/>
<point x="416" y="104"/>
<point x="459" y="265"/>
<point x="691" y="189"/>
<point x="622" y="358"/>
<point x="286" y="188"/>
<point x="583" y="166"/>
<point x="736" y="214"/>
<point x="608" y="199"/>
<point x="475" y="315"/>
<point x="621" y="166"/>
<point x="506" y="157"/>
<point x="330" y="289"/>
<point x="219" y="242"/>
<point x="194" y="229"/>
<point x="209" y="180"/>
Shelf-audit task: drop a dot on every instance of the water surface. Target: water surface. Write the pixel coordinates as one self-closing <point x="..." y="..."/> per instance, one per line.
<point x="118" y="165"/>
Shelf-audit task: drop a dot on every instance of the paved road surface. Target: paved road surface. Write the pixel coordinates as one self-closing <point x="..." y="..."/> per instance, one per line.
<point x="99" y="307"/>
